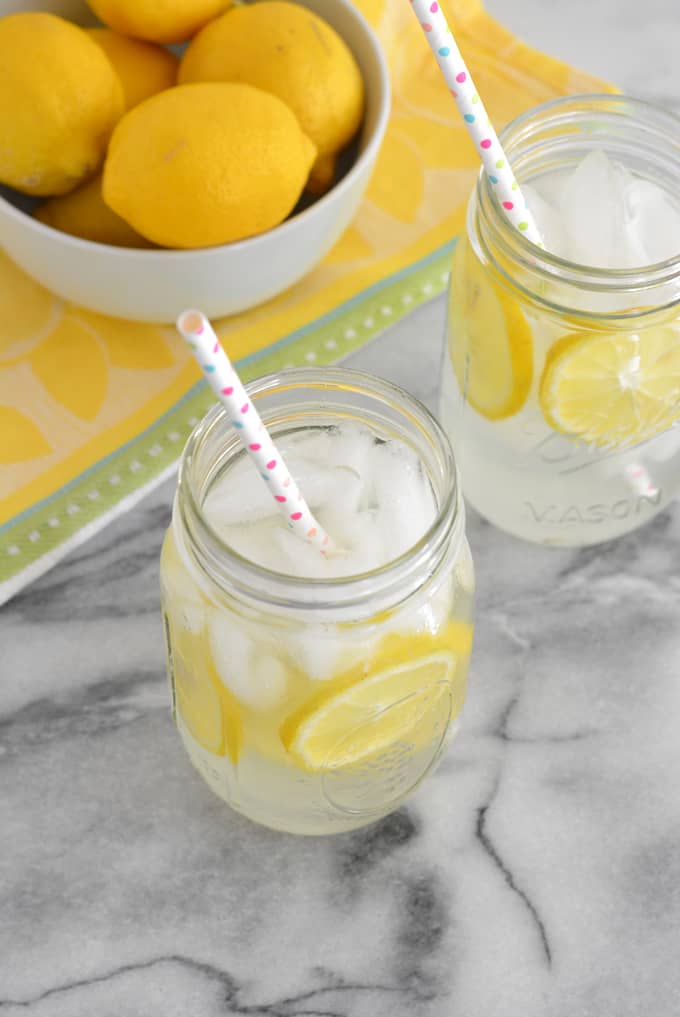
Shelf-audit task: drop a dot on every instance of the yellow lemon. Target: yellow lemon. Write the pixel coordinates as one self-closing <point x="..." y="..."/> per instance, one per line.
<point x="206" y="164"/>
<point x="198" y="703"/>
<point x="169" y="21"/>
<point x="82" y="213"/>
<point x="289" y="51"/>
<point x="359" y="715"/>
<point x="490" y="340"/>
<point x="143" y="67"/>
<point x="613" y="390"/>
<point x="59" y="101"/>
<point x="209" y="711"/>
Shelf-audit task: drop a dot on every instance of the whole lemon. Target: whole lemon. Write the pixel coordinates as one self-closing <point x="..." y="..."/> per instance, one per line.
<point x="166" y="21"/>
<point x="287" y="50"/>
<point x="143" y="67"/>
<point x="59" y="101"/>
<point x="206" y="164"/>
<point x="83" y="213"/>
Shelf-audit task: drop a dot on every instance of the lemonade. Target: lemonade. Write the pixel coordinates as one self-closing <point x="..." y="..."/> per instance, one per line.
<point x="561" y="375"/>
<point x="313" y="693"/>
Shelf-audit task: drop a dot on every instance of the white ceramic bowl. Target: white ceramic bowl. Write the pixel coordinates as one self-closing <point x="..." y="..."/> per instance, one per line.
<point x="156" y="285"/>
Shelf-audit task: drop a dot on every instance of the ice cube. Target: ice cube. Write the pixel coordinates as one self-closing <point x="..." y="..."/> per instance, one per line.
<point x="345" y="444"/>
<point x="238" y="496"/>
<point x="628" y="250"/>
<point x="318" y="658"/>
<point x="257" y="543"/>
<point x="301" y="558"/>
<point x="270" y="682"/>
<point x="246" y="667"/>
<point x="652" y="221"/>
<point x="241" y="497"/>
<point x="402" y="496"/>
<point x="330" y="466"/>
<point x="358" y="538"/>
<point x="609" y="217"/>
<point x="314" y="445"/>
<point x="327" y="485"/>
<point x="549" y="187"/>
<point x="592" y="207"/>
<point x="548" y="220"/>
<point x="351" y="447"/>
<point x="345" y="493"/>
<point x="324" y="651"/>
<point x="232" y="651"/>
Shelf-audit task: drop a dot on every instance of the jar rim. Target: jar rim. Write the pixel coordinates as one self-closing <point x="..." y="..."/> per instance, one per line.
<point x="546" y="265"/>
<point x="236" y="575"/>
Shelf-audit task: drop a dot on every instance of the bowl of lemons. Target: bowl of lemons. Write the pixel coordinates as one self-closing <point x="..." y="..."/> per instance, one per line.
<point x="192" y="153"/>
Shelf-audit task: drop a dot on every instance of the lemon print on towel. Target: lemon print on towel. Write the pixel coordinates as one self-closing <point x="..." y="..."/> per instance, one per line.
<point x="62" y="370"/>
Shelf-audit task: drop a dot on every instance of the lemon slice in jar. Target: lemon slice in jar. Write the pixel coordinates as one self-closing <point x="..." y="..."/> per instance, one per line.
<point x="405" y="697"/>
<point x="209" y="712"/>
<point x="613" y="390"/>
<point x="490" y="341"/>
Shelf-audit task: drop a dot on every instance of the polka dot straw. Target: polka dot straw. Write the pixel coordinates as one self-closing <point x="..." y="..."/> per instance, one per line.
<point x="498" y="170"/>
<point x="227" y="386"/>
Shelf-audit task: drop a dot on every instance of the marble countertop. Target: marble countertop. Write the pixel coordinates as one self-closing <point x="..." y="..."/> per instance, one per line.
<point x="537" y="874"/>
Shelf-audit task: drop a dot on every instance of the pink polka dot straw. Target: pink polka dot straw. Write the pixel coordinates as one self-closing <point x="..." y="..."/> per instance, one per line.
<point x="462" y="87"/>
<point x="227" y="386"/>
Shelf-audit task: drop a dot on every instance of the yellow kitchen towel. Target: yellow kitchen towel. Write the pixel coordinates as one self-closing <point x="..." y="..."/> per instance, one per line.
<point x="94" y="411"/>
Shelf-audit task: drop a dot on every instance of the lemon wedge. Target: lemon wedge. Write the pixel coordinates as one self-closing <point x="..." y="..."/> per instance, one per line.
<point x="207" y="709"/>
<point x="613" y="390"/>
<point x="405" y="697"/>
<point x="198" y="704"/>
<point x="490" y="340"/>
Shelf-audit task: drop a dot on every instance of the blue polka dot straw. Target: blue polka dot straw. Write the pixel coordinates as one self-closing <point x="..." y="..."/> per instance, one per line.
<point x="443" y="45"/>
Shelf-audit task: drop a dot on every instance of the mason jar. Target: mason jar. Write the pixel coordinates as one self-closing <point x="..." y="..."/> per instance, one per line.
<point x="315" y="705"/>
<point x="561" y="382"/>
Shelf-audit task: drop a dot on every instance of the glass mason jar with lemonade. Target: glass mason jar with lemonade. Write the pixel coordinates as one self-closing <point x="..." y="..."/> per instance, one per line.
<point x="314" y="694"/>
<point x="561" y="373"/>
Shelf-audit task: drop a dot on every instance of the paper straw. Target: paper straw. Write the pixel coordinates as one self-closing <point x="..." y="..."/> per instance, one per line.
<point x="227" y="386"/>
<point x="462" y="87"/>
